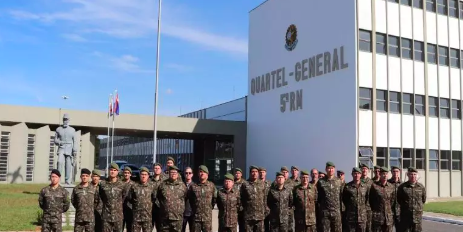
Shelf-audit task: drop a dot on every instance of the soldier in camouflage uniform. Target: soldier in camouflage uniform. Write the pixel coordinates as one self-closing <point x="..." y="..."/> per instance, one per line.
<point x="98" y="207"/>
<point x="54" y="201"/>
<point x="343" y="207"/>
<point x="411" y="197"/>
<point x="321" y="175"/>
<point x="294" y="181"/>
<point x="254" y="200"/>
<point x="228" y="202"/>
<point x="112" y="193"/>
<point x="84" y="197"/>
<point x="170" y="162"/>
<point x="280" y="202"/>
<point x="329" y="200"/>
<point x="202" y="197"/>
<point x="395" y="181"/>
<point x="377" y="173"/>
<point x="355" y="197"/>
<point x="141" y="196"/>
<point x="238" y="183"/>
<point x="171" y="195"/>
<point x="381" y="199"/>
<point x="128" y="214"/>
<point x="314" y="176"/>
<point x="268" y="184"/>
<point x="305" y="201"/>
<point x="156" y="180"/>
<point x="368" y="181"/>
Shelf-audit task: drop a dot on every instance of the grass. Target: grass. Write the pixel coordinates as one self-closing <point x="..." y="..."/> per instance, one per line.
<point x="20" y="206"/>
<point x="449" y="207"/>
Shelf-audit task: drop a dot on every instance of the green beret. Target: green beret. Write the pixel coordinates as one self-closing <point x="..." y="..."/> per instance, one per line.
<point x="364" y="166"/>
<point x="144" y="169"/>
<point x="412" y="169"/>
<point x="356" y="170"/>
<point x="204" y="169"/>
<point x="262" y="169"/>
<point x="341" y="171"/>
<point x="173" y="167"/>
<point x="157" y="164"/>
<point x="330" y="164"/>
<point x="170" y="158"/>
<point x="115" y="166"/>
<point x="284" y="168"/>
<point x="279" y="174"/>
<point x="127" y="168"/>
<point x="384" y="169"/>
<point x="229" y="176"/>
<point x="394" y="167"/>
<point x="238" y="170"/>
<point x="253" y="167"/>
<point x="294" y="167"/>
<point x="305" y="172"/>
<point x="96" y="172"/>
<point x="377" y="167"/>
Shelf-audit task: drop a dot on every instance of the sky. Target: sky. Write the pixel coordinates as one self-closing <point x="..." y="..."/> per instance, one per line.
<point x="86" y="49"/>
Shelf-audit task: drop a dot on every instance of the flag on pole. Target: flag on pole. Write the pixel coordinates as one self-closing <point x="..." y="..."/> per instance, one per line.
<point x="110" y="113"/>
<point x="116" y="104"/>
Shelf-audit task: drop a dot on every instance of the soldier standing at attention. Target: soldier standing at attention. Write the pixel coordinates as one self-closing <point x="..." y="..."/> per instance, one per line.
<point x="170" y="162"/>
<point x="368" y="181"/>
<point x="294" y="181"/>
<point x="112" y="193"/>
<point x="128" y="214"/>
<point x="305" y="201"/>
<point x="171" y="195"/>
<point x="267" y="183"/>
<point x="395" y="181"/>
<point x="285" y="172"/>
<point x="411" y="197"/>
<point x="329" y="200"/>
<point x="377" y="171"/>
<point x="355" y="198"/>
<point x="228" y="202"/>
<point x="314" y="176"/>
<point x="238" y="182"/>
<point x="54" y="201"/>
<point x="254" y="201"/>
<point x="96" y="175"/>
<point x="343" y="207"/>
<point x="84" y="196"/>
<point x="280" y="202"/>
<point x="187" y="214"/>
<point x="381" y="200"/>
<point x="156" y="181"/>
<point x="202" y="197"/>
<point x="141" y="196"/>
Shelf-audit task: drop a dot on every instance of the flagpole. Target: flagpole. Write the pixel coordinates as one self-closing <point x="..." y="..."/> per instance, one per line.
<point x="156" y="85"/>
<point x="109" y="125"/>
<point x="112" y="137"/>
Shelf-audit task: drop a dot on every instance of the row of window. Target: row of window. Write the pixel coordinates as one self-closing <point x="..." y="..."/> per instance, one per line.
<point x="409" y="157"/>
<point x="410" y="49"/>
<point x="444" y="7"/>
<point x="407" y="103"/>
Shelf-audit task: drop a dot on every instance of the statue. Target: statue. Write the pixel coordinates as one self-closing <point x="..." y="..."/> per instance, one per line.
<point x="65" y="139"/>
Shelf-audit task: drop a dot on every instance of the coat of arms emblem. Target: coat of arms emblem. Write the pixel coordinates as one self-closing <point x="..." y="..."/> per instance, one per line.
<point x="291" y="37"/>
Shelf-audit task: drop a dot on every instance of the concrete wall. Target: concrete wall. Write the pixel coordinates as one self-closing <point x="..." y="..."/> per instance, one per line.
<point x="42" y="151"/>
<point x="18" y="154"/>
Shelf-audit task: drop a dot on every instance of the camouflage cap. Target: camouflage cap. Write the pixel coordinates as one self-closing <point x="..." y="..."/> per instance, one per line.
<point x="56" y="172"/>
<point x="294" y="167"/>
<point x="330" y="164"/>
<point x="170" y="158"/>
<point x="114" y="166"/>
<point x="144" y="169"/>
<point x="279" y="174"/>
<point x="364" y="166"/>
<point x="238" y="170"/>
<point x="412" y="169"/>
<point x="340" y="171"/>
<point x="284" y="168"/>
<point x="173" y="167"/>
<point x="204" y="169"/>
<point x="394" y="167"/>
<point x="304" y="173"/>
<point x="377" y="167"/>
<point x="96" y="172"/>
<point x="384" y="169"/>
<point x="253" y="167"/>
<point x="262" y="169"/>
<point x="356" y="170"/>
<point x="127" y="168"/>
<point x="229" y="176"/>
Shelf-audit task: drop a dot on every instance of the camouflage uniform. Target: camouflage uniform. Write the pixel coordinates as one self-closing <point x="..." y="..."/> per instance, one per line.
<point x="229" y="204"/>
<point x="253" y="199"/>
<point x="280" y="203"/>
<point x="368" y="181"/>
<point x="381" y="199"/>
<point x="241" y="221"/>
<point x="395" y="204"/>
<point x="202" y="197"/>
<point x="98" y="208"/>
<point x="329" y="201"/>
<point x="142" y="196"/>
<point x="411" y="198"/>
<point x="53" y="202"/>
<point x="267" y="184"/>
<point x="305" y="201"/>
<point x="356" y="200"/>
<point x="343" y="210"/>
<point x="155" y="218"/>
<point x="171" y="196"/>
<point x="165" y="176"/>
<point x="112" y="195"/>
<point x="293" y="183"/>
<point x="84" y="199"/>
<point x="127" y="208"/>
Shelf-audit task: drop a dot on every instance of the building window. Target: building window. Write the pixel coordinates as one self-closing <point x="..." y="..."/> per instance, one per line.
<point x="381" y="156"/>
<point x="453" y="8"/>
<point x="419" y="105"/>
<point x="431" y="5"/>
<point x="381" y="100"/>
<point x="420" y="159"/>
<point x="396" y="1"/>
<point x="407" y="103"/>
<point x="444" y="108"/>
<point x="419" y="51"/>
<point x="365" y="41"/>
<point x="456" y="107"/>
<point x="456" y="160"/>
<point x="51" y="154"/>
<point x="381" y="43"/>
<point x="461" y="10"/>
<point x="365" y="99"/>
<point x="366" y="156"/>
<point x="432" y="54"/>
<point x="444" y="160"/>
<point x="433" y="160"/>
<point x="395" y="157"/>
<point x="433" y="104"/>
<point x="443" y="56"/>
<point x="407" y="158"/>
<point x="418" y="4"/>
<point x="30" y="157"/>
<point x="4" y="152"/>
<point x="394" y="102"/>
<point x="442" y="7"/>
<point x="454" y="58"/>
<point x="394" y="46"/>
<point x="406" y="2"/>
<point x="407" y="51"/>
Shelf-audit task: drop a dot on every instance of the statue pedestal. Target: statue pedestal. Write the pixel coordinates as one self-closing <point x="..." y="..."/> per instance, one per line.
<point x="72" y="211"/>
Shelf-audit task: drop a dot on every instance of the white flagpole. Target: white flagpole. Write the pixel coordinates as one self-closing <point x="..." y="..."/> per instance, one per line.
<point x="112" y="137"/>
<point x="156" y="87"/>
<point x="109" y="125"/>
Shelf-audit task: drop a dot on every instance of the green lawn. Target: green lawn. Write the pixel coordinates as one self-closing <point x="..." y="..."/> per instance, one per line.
<point x="19" y="203"/>
<point x="449" y="207"/>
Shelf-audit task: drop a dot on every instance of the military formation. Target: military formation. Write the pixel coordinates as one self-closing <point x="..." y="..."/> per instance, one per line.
<point x="303" y="202"/>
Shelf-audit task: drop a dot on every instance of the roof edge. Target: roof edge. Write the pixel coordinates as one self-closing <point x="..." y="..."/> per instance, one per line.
<point x="258" y="6"/>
